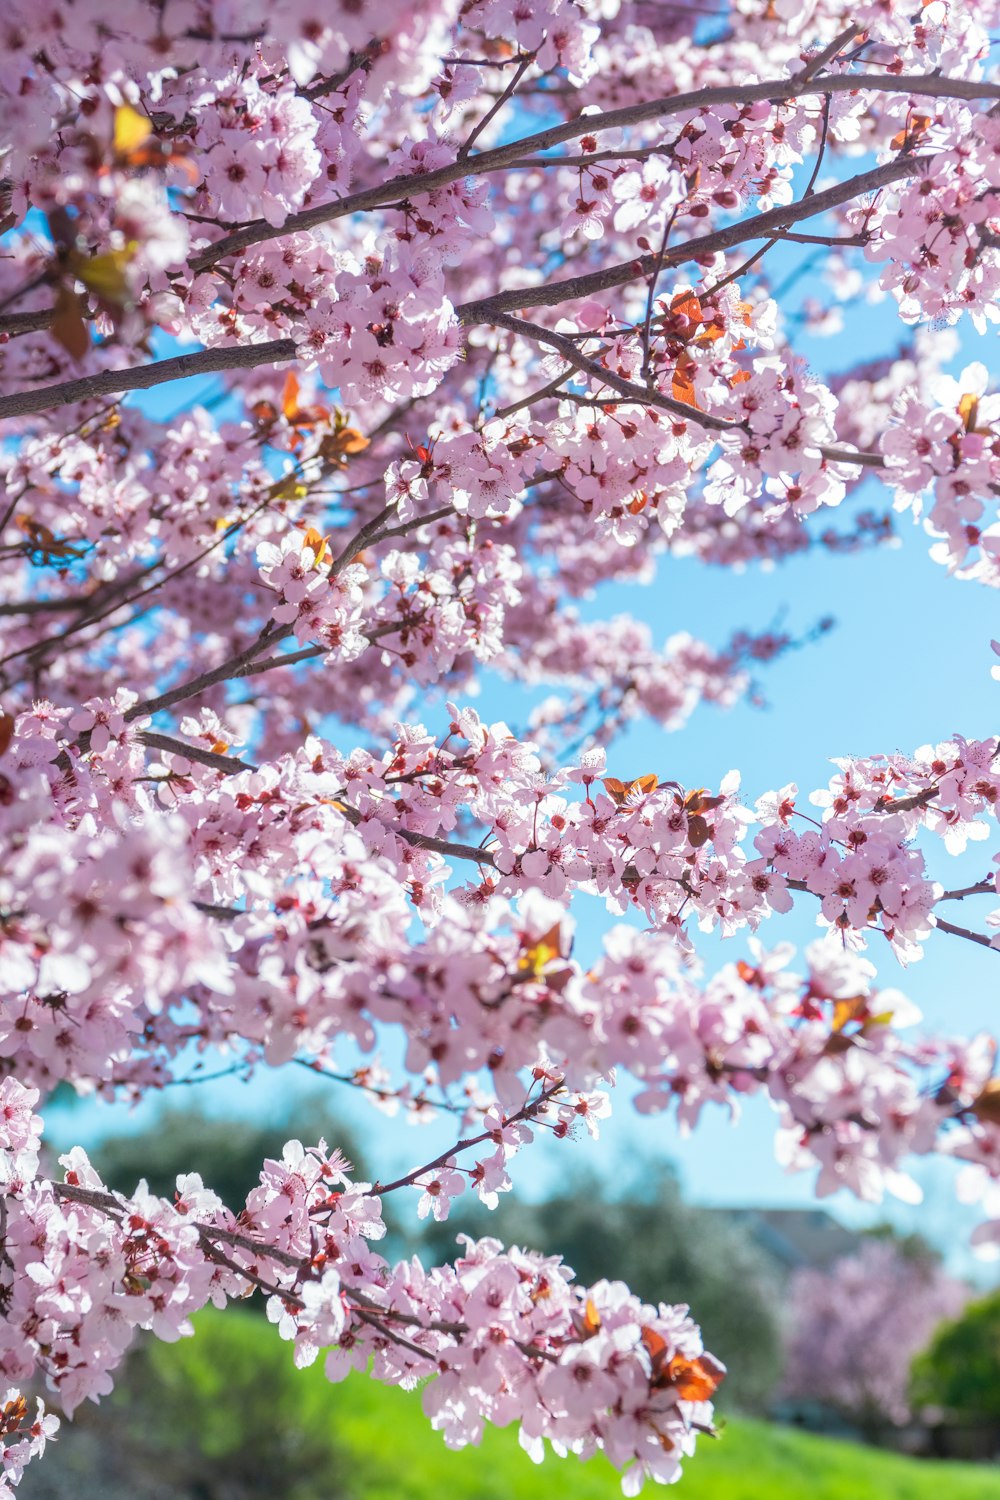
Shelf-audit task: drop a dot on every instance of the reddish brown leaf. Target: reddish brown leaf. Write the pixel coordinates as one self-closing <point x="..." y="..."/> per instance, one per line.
<point x="622" y="791"/>
<point x="696" y="1379"/>
<point x="68" y="327"/>
<point x="682" y="384"/>
<point x="698" y="831"/>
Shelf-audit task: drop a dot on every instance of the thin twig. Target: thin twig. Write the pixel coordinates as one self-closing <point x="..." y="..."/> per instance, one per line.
<point x="495" y="108"/>
<point x="965" y="932"/>
<point x="546" y="390"/>
<point x="232" y="667"/>
<point x="527" y="1111"/>
<point x="653" y="279"/>
<point x="819" y="62"/>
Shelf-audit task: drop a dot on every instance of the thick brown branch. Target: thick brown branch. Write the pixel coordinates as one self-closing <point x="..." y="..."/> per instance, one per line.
<point x="759" y="226"/>
<point x="395" y="188"/>
<point x="228" y="764"/>
<point x="43" y="606"/>
<point x="143" y="377"/>
<point x="26" y="322"/>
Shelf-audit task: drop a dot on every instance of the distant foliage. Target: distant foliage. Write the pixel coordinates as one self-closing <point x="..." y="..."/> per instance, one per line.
<point x="960" y="1373"/>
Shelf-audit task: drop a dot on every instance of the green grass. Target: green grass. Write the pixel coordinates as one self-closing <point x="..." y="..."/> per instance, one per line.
<point x="398" y="1459"/>
<point x="233" y="1393"/>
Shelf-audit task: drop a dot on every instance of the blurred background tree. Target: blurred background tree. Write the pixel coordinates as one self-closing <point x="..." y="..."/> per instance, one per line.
<point x="227" y="1152"/>
<point x="854" y="1329"/>
<point x="221" y="1416"/>
<point x="959" y="1374"/>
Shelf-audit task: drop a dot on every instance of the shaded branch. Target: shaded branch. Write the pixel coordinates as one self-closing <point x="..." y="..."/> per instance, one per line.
<point x="143" y="377"/>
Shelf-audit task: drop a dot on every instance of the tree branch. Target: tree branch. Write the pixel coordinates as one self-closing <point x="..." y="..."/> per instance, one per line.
<point x="523" y="65"/>
<point x="777" y="90"/>
<point x="759" y="226"/>
<point x="818" y="63"/>
<point x="649" y="396"/>
<point x="967" y="933"/>
<point x="981" y="888"/>
<point x="143" y="377"/>
<point x="639" y="393"/>
<point x="228" y="764"/>
<point x="526" y="1112"/>
<point x="233" y="667"/>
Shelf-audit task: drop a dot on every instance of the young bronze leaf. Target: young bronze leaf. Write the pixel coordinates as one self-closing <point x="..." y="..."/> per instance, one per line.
<point x="68" y="327"/>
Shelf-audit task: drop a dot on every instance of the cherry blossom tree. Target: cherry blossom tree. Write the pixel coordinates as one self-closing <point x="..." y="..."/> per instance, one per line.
<point x="856" y="1327"/>
<point x="489" y="286"/>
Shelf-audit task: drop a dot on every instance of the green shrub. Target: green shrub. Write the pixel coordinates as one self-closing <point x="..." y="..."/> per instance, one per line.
<point x="960" y="1372"/>
<point x="226" y="1414"/>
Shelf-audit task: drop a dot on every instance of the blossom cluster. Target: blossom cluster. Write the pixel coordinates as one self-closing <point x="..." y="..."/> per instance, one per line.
<point x="501" y="294"/>
<point x="503" y="1334"/>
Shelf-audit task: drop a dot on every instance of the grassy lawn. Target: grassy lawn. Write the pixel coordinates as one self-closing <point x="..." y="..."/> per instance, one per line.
<point x="233" y="1394"/>
<point x="399" y="1459"/>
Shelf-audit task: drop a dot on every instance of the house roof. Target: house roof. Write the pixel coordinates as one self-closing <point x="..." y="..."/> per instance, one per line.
<point x="796" y="1236"/>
